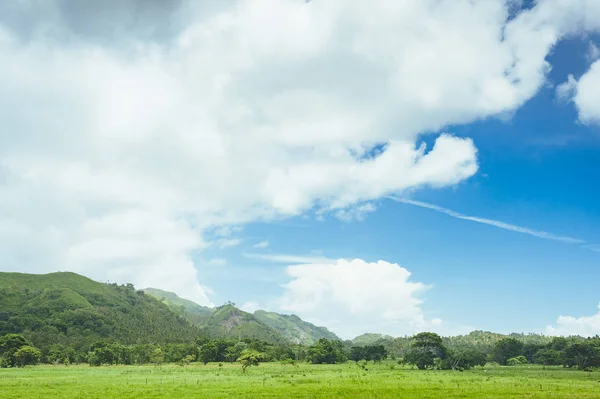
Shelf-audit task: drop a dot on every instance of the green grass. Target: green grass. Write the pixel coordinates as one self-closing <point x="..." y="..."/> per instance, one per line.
<point x="272" y="380"/>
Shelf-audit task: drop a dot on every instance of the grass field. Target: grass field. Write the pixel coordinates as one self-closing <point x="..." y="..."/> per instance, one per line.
<point x="272" y="380"/>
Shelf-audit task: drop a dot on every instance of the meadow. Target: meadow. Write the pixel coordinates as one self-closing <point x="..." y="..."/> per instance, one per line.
<point x="274" y="380"/>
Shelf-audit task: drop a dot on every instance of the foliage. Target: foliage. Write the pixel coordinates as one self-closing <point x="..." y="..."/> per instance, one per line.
<point x="293" y="328"/>
<point x="227" y="321"/>
<point x="375" y="353"/>
<point x="427" y="348"/>
<point x="325" y="351"/>
<point x="464" y="359"/>
<point x="515" y="361"/>
<point x="505" y="349"/>
<point x="27" y="355"/>
<point x="250" y="358"/>
<point x="70" y="310"/>
<point x="583" y="354"/>
<point x="191" y="311"/>
<point x="10" y="344"/>
<point x="547" y="357"/>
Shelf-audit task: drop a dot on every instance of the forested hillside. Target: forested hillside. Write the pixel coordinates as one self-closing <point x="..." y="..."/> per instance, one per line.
<point x="227" y="321"/>
<point x="72" y="310"/>
<point x="230" y="322"/>
<point x="194" y="313"/>
<point x="293" y="328"/>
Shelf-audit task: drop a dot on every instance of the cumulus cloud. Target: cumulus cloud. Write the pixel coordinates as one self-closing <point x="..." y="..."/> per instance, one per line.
<point x="585" y="326"/>
<point x="587" y="95"/>
<point x="354" y="297"/>
<point x="121" y="149"/>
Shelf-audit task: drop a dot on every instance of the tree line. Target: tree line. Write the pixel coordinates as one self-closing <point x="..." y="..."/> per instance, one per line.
<point x="426" y="351"/>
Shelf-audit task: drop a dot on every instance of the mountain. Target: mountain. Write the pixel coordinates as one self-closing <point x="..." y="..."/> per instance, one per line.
<point x="231" y="322"/>
<point x="293" y="328"/>
<point x="194" y="313"/>
<point x="69" y="309"/>
<point x="369" y="339"/>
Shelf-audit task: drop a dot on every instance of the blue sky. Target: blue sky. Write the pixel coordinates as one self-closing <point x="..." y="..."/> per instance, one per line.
<point x="536" y="170"/>
<point x="386" y="167"/>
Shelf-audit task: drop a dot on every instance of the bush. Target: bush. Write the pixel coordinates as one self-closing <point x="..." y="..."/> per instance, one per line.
<point x="515" y="361"/>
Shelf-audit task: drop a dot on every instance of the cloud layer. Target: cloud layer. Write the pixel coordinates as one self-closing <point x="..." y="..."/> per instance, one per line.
<point x="121" y="148"/>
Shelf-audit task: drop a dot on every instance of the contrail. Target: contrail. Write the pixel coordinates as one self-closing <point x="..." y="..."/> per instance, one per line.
<point x="495" y="223"/>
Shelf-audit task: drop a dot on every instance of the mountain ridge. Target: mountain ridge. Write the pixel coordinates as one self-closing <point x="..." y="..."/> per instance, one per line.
<point x="227" y="321"/>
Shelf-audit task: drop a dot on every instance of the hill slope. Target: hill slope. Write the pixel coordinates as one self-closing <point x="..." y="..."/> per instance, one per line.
<point x="369" y="339"/>
<point x="194" y="313"/>
<point x="231" y="322"/>
<point x="66" y="308"/>
<point x="293" y="328"/>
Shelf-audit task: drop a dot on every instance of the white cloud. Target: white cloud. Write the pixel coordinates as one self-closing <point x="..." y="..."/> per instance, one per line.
<point x="585" y="326"/>
<point x="490" y="222"/>
<point x="566" y="90"/>
<point x="217" y="262"/>
<point x="355" y="213"/>
<point x="354" y="297"/>
<point x="262" y="244"/>
<point x="587" y="95"/>
<point x="227" y="122"/>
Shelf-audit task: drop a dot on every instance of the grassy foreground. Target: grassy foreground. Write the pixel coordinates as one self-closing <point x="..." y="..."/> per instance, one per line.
<point x="273" y="380"/>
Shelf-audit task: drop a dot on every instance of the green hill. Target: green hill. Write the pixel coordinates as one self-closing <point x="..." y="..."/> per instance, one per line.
<point x="293" y="328"/>
<point x="230" y="322"/>
<point x="69" y="309"/>
<point x="194" y="313"/>
<point x="369" y="339"/>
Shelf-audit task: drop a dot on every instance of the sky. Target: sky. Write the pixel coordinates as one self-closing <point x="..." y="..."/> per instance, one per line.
<point x="381" y="166"/>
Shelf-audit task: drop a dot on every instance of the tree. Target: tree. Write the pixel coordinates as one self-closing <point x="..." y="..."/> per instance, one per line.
<point x="515" y="361"/>
<point x="581" y="355"/>
<point x="423" y="358"/>
<point x="548" y="357"/>
<point x="426" y="349"/>
<point x="102" y="352"/>
<point x="27" y="355"/>
<point x="208" y="352"/>
<point x="250" y="358"/>
<point x="463" y="360"/>
<point x="158" y="357"/>
<point x="505" y="349"/>
<point x="234" y="352"/>
<point x="325" y="351"/>
<point x="357" y="353"/>
<point x="376" y="353"/>
<point x="530" y="349"/>
<point x="9" y="345"/>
